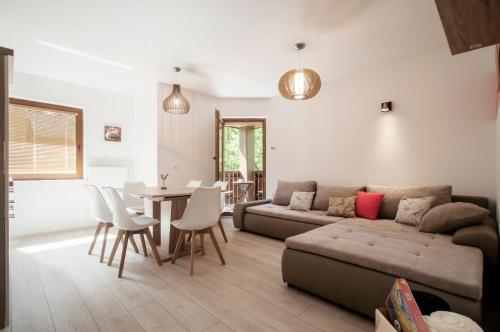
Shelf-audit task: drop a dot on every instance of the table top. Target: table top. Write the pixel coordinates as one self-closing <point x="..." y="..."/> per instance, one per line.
<point x="157" y="192"/>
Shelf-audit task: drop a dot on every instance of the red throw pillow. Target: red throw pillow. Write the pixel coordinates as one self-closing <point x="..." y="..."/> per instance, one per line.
<point x="368" y="204"/>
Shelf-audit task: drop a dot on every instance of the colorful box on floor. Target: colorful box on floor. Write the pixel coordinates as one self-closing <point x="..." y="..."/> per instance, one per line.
<point x="403" y="309"/>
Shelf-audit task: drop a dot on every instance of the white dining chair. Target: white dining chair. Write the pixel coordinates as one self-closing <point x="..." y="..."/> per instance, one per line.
<point x="128" y="226"/>
<point x="135" y="205"/>
<point x="201" y="214"/>
<point x="194" y="184"/>
<point x="100" y="213"/>
<point x="223" y="187"/>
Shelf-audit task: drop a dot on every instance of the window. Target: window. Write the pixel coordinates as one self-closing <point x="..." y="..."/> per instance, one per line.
<point x="45" y="141"/>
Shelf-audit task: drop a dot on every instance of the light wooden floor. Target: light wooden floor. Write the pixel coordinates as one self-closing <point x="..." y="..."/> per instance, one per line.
<point x="64" y="289"/>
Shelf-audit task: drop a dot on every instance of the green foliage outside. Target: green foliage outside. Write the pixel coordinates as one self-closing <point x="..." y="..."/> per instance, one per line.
<point x="258" y="149"/>
<point x="232" y="149"/>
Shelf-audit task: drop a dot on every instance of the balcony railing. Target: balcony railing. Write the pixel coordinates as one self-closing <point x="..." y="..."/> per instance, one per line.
<point x="233" y="176"/>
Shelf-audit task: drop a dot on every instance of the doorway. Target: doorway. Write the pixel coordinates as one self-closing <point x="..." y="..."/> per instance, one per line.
<point x="241" y="158"/>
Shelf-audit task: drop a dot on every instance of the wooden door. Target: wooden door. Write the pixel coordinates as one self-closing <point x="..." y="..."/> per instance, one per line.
<point x="219" y="147"/>
<point x="5" y="54"/>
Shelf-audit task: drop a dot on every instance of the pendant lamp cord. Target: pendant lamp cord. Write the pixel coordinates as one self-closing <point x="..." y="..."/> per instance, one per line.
<point x="300" y="59"/>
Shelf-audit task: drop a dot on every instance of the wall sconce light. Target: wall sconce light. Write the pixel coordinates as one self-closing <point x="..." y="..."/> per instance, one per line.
<point x="386" y="106"/>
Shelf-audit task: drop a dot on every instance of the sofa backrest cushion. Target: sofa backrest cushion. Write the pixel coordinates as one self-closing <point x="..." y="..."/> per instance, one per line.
<point x="285" y="190"/>
<point x="323" y="194"/>
<point x="392" y="196"/>
<point x="478" y="200"/>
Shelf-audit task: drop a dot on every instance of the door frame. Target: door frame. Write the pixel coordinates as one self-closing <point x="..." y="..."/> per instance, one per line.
<point x="225" y="120"/>
<point x="5" y="70"/>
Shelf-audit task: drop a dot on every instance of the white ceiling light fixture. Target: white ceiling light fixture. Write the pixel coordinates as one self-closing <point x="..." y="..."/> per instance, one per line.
<point x="84" y="55"/>
<point x="175" y="103"/>
<point x="300" y="83"/>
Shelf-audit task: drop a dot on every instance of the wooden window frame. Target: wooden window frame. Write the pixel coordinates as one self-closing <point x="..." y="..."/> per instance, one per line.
<point x="79" y="140"/>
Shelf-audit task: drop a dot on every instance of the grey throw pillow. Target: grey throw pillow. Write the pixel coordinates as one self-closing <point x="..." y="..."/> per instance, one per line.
<point x="449" y="217"/>
<point x="411" y="210"/>
<point x="301" y="201"/>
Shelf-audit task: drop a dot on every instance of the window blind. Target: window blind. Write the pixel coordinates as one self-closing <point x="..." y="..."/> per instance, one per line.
<point x="42" y="141"/>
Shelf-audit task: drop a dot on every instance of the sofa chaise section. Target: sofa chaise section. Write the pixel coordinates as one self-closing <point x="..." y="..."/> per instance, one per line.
<point x="355" y="253"/>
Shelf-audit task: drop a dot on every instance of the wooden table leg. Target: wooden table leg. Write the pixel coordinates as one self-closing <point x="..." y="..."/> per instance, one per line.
<point x="176" y="212"/>
<point x="157" y="227"/>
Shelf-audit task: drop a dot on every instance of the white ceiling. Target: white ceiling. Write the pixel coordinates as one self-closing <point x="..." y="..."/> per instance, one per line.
<point x="230" y="48"/>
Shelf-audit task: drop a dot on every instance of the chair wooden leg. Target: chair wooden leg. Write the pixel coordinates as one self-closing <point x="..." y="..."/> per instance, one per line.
<point x="96" y="235"/>
<point x="202" y="243"/>
<point x="189" y="237"/>
<point x="216" y="245"/>
<point x="178" y="246"/>
<point x="144" y="245"/>
<point x="103" y="249"/>
<point x="132" y="241"/>
<point x="222" y="230"/>
<point x="124" y="253"/>
<point x="193" y="247"/>
<point x="115" y="246"/>
<point x="153" y="246"/>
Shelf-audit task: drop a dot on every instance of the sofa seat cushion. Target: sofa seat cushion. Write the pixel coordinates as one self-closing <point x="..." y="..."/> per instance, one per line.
<point x="398" y="250"/>
<point x="315" y="217"/>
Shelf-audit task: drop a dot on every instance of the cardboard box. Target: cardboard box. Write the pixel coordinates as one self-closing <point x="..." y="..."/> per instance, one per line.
<point x="382" y="322"/>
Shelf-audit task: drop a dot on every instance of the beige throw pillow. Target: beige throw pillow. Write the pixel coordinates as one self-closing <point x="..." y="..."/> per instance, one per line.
<point x="450" y="217"/>
<point x="342" y="207"/>
<point x="411" y="210"/>
<point x="301" y="201"/>
<point x="285" y="190"/>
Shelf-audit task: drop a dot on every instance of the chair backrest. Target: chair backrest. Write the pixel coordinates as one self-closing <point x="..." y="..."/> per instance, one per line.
<point x="194" y="184"/>
<point x="98" y="208"/>
<point x="203" y="209"/>
<point x="221" y="184"/>
<point x="121" y="218"/>
<point x="223" y="187"/>
<point x="131" y="201"/>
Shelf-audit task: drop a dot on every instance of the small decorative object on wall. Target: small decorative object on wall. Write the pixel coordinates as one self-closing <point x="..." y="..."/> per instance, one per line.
<point x="112" y="133"/>
<point x="386" y="106"/>
<point x="163" y="179"/>
<point x="300" y="83"/>
<point x="175" y="103"/>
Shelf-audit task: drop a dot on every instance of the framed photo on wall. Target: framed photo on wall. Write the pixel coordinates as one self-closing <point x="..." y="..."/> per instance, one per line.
<point x="112" y="133"/>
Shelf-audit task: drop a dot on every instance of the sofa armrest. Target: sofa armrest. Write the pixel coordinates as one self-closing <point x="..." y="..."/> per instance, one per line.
<point x="483" y="236"/>
<point x="240" y="210"/>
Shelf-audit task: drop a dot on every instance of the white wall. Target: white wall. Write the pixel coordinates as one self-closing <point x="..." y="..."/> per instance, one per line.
<point x="186" y="143"/>
<point x="145" y="126"/>
<point x="43" y="206"/>
<point x="442" y="129"/>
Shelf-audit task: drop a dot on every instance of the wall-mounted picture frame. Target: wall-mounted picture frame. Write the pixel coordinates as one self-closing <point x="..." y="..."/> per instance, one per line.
<point x="112" y="133"/>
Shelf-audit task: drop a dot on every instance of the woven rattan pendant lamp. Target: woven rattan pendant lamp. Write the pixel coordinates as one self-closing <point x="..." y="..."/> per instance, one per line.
<point x="175" y="103"/>
<point x="300" y="83"/>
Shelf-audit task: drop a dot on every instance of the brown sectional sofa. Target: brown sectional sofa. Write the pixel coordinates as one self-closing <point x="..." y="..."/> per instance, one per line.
<point x="354" y="261"/>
